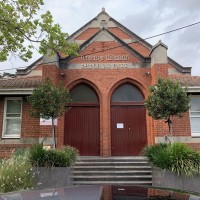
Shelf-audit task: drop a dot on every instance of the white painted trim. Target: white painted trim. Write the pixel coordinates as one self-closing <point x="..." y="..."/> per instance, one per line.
<point x="17" y="91"/>
<point x="4" y="117"/>
<point x="193" y="88"/>
<point x="181" y="139"/>
<point x="196" y="134"/>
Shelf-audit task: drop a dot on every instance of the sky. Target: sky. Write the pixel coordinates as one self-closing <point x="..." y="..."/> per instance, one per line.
<point x="145" y="18"/>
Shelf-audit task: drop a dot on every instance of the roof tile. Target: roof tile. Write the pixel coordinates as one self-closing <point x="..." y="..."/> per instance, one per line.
<point x="187" y="80"/>
<point x="28" y="82"/>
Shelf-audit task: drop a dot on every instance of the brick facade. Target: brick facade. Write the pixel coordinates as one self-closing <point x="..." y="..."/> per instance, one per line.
<point x="109" y="56"/>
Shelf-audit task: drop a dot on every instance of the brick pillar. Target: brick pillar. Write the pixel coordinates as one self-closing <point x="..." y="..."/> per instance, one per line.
<point x="105" y="123"/>
<point x="50" y="69"/>
<point x="159" y="68"/>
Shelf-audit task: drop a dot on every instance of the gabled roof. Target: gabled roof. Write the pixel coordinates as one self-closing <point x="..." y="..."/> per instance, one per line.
<point x="179" y="67"/>
<point x="119" y="25"/>
<point x="118" y="40"/>
<point x="133" y="35"/>
<point x="140" y="52"/>
<point x="30" y="67"/>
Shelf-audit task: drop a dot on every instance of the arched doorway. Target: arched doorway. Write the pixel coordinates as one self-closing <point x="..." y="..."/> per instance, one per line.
<point x="128" y="121"/>
<point x="82" y="125"/>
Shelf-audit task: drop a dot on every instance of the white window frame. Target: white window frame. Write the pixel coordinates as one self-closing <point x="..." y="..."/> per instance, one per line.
<point x="5" y="117"/>
<point x="194" y="134"/>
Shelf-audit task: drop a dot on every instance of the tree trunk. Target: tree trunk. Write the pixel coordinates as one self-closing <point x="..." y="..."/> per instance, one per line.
<point x="169" y="122"/>
<point x="53" y="134"/>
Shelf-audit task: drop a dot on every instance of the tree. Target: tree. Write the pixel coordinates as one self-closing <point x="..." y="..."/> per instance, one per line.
<point x="49" y="101"/>
<point x="21" y="28"/>
<point x="167" y="98"/>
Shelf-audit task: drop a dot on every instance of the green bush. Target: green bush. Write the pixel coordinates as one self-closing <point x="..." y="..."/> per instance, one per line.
<point x="37" y="155"/>
<point x="64" y="157"/>
<point x="15" y="174"/>
<point x="71" y="153"/>
<point x="158" y="155"/>
<point x="177" y="158"/>
<point x="184" y="160"/>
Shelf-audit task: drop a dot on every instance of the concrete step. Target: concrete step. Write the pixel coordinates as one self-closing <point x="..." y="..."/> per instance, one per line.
<point x="112" y="163"/>
<point x="113" y="178"/>
<point x="114" y="173"/>
<point x="111" y="159"/>
<point x="113" y="182"/>
<point x="112" y="170"/>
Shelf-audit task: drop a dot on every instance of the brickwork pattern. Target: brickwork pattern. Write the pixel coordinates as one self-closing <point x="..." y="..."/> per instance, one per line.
<point x="104" y="82"/>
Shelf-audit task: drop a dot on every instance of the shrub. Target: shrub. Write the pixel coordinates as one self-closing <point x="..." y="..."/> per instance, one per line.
<point x="184" y="160"/>
<point x="177" y="158"/>
<point x="15" y="174"/>
<point x="158" y="155"/>
<point x="71" y="153"/>
<point x="37" y="155"/>
<point x="64" y="157"/>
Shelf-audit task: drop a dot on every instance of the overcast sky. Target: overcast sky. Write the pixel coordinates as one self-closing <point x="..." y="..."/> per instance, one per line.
<point x="143" y="17"/>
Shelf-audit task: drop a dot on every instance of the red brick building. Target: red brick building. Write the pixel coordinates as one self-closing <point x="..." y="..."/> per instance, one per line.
<point x="108" y="83"/>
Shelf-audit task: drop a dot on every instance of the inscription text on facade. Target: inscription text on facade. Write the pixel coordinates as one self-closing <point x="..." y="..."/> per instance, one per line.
<point x="106" y="57"/>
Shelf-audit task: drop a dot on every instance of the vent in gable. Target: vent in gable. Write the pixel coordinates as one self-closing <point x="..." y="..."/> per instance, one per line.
<point x="103" y="24"/>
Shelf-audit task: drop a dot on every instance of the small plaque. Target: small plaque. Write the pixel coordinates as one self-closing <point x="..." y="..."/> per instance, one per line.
<point x="47" y="122"/>
<point x="120" y="125"/>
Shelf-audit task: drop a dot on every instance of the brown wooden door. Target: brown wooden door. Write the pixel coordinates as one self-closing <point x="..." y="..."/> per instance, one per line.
<point x="128" y="130"/>
<point x="82" y="129"/>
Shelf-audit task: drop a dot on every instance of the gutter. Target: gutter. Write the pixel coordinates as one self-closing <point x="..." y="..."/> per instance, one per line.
<point x="192" y="89"/>
<point x="16" y="91"/>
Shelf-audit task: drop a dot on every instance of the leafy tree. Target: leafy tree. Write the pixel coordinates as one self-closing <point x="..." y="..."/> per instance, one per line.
<point x="167" y="98"/>
<point x="49" y="101"/>
<point x="21" y="28"/>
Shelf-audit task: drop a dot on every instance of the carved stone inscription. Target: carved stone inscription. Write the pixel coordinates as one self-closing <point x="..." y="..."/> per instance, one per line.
<point x="105" y="57"/>
<point x="108" y="61"/>
<point x="103" y="65"/>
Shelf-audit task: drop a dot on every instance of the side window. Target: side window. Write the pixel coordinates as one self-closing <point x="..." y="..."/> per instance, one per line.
<point x="12" y="118"/>
<point x="195" y="115"/>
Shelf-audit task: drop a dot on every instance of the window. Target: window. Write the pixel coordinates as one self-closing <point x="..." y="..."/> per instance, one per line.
<point x="12" y="118"/>
<point x="83" y="93"/>
<point x="127" y="93"/>
<point x="195" y="115"/>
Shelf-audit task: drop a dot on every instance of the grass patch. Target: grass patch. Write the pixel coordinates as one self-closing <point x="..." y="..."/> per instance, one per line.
<point x="15" y="174"/>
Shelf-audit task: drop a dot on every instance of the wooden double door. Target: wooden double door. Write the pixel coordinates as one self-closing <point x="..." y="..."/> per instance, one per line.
<point x="127" y="119"/>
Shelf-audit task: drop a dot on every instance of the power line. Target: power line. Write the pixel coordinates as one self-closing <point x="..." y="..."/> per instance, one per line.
<point x="147" y="38"/>
<point x="177" y="29"/>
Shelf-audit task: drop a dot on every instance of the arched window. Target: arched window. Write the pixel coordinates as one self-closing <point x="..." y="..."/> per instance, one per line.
<point x="127" y="93"/>
<point x="83" y="93"/>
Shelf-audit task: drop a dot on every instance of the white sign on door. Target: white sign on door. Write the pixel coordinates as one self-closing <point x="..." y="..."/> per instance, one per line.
<point x="120" y="125"/>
